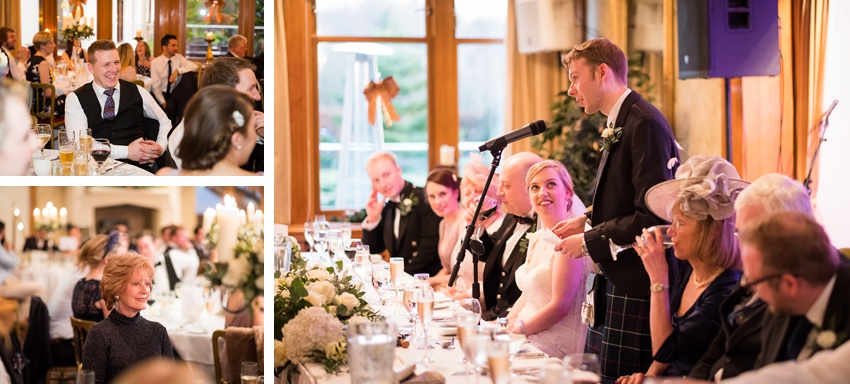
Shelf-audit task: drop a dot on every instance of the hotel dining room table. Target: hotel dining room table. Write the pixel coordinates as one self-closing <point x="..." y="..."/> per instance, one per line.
<point x="525" y="368"/>
<point x="113" y="167"/>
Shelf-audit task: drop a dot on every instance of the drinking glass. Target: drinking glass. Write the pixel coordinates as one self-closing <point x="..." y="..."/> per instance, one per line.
<point x="381" y="281"/>
<point x="371" y="352"/>
<point x="43" y="132"/>
<point x="100" y="151"/>
<point x="85" y="376"/>
<point x="308" y="234"/>
<point x="346" y="234"/>
<point x="363" y="264"/>
<point x="583" y="368"/>
<point x="249" y="372"/>
<point x="498" y="360"/>
<point x="425" y="308"/>
<point x="475" y="348"/>
<point x="466" y="320"/>
<point x="422" y="279"/>
<point x="86" y="141"/>
<point x="396" y="270"/>
<point x="81" y="163"/>
<point x="353" y="246"/>
<point x="408" y="299"/>
<point x="67" y="146"/>
<point x="665" y="239"/>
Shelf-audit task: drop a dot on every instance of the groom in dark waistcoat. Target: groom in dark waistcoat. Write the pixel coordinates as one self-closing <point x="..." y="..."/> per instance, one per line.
<point x="405" y="225"/>
<point x="117" y="110"/>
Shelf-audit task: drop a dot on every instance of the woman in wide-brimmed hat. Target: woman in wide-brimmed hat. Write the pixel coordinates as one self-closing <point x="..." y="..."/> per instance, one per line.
<point x="684" y="312"/>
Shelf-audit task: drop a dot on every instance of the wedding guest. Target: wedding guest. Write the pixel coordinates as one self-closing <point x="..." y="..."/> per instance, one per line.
<point x="73" y="52"/>
<point x="117" y="110"/>
<point x="737" y="345"/>
<point x="143" y="59"/>
<point x="10" y="286"/>
<point x="124" y="338"/>
<point x="181" y="261"/>
<point x="443" y="190"/>
<point x="164" y="239"/>
<point x="38" y="71"/>
<point x="237" y="46"/>
<point x="39" y="242"/>
<point x="146" y="247"/>
<point x="15" y="68"/>
<point x="17" y="141"/>
<point x="635" y="156"/>
<point x="199" y="242"/>
<point x="405" y="225"/>
<point x="549" y="310"/>
<point x="219" y="136"/>
<point x="128" y="62"/>
<point x="239" y="75"/>
<point x="684" y="316"/>
<point x="167" y="70"/>
<point x="259" y="62"/>
<point x="162" y="371"/>
<point x="86" y="301"/>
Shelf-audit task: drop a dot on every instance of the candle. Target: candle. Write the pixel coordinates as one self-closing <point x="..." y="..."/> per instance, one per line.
<point x="91" y="21"/>
<point x="78" y="14"/>
<point x="63" y="216"/>
<point x="47" y="30"/>
<point x="138" y="33"/>
<point x="447" y="155"/>
<point x="209" y="35"/>
<point x="209" y="217"/>
<point x="242" y="217"/>
<point x="258" y="222"/>
<point x="228" y="221"/>
<point x="36" y="216"/>
<point x="250" y="212"/>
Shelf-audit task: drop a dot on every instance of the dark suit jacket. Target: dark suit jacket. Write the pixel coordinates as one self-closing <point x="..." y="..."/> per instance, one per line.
<point x="494" y="249"/>
<point x="836" y="318"/>
<point x="627" y="171"/>
<point x="418" y="234"/>
<point x="31" y="244"/>
<point x="735" y="348"/>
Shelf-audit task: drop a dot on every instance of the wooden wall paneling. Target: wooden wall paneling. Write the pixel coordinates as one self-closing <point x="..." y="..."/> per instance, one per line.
<point x="443" y="124"/>
<point x="49" y="19"/>
<point x="246" y="23"/>
<point x="736" y="107"/>
<point x="104" y="20"/>
<point x="669" y="64"/>
<point x="305" y="175"/>
<point x="170" y="17"/>
<point x="761" y="118"/>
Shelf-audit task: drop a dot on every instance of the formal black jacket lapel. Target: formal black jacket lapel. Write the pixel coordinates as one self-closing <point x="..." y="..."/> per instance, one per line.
<point x="403" y="220"/>
<point x="774" y="330"/>
<point x="495" y="255"/>
<point x="631" y="98"/>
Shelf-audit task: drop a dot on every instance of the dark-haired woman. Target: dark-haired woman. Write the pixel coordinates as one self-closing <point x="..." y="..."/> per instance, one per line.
<point x="219" y="134"/>
<point x="443" y="191"/>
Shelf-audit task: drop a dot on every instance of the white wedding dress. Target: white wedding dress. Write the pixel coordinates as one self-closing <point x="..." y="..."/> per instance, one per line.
<point x="534" y="279"/>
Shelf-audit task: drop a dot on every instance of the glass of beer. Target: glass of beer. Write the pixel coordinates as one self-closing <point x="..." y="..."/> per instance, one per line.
<point x="66" y="150"/>
<point x="86" y="141"/>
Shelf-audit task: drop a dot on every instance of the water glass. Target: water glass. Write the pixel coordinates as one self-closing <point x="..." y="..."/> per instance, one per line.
<point x="85" y="376"/>
<point x="345" y="227"/>
<point x="381" y="279"/>
<point x="249" y="372"/>
<point x="583" y="368"/>
<point x="81" y="163"/>
<point x="363" y="265"/>
<point x="371" y="352"/>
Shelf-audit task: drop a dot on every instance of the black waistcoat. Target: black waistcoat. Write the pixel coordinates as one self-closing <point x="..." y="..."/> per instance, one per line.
<point x="128" y="124"/>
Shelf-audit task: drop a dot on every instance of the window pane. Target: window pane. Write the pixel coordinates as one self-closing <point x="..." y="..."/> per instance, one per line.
<point x="197" y="26"/>
<point x="347" y="138"/>
<point x="481" y="96"/>
<point x="397" y="18"/>
<point x="133" y="16"/>
<point x="259" y="27"/>
<point x="481" y="18"/>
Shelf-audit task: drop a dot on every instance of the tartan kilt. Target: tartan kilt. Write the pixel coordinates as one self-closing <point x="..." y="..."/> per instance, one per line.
<point x="622" y="342"/>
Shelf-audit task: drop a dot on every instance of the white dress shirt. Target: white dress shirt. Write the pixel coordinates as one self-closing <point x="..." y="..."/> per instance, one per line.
<point x="519" y="232"/>
<point x="185" y="263"/>
<point x="612" y="116"/>
<point x="160" y="75"/>
<point x="174" y="142"/>
<point x="76" y="119"/>
<point x="17" y="69"/>
<point x="815" y="315"/>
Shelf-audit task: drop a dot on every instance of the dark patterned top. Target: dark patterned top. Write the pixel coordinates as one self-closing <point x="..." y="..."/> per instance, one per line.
<point x="86" y="294"/>
<point x="143" y="70"/>
<point x="33" y="76"/>
<point x="119" y="342"/>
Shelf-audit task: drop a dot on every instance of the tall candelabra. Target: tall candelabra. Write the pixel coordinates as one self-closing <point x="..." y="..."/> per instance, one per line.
<point x="209" y="39"/>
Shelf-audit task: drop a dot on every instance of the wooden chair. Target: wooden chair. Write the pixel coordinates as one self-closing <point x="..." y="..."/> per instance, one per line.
<point x="140" y="83"/>
<point x="218" y="334"/>
<point x="44" y="108"/>
<point x="81" y="331"/>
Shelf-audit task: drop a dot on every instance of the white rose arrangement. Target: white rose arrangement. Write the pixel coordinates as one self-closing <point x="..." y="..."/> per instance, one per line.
<point x="77" y="32"/>
<point x="244" y="272"/>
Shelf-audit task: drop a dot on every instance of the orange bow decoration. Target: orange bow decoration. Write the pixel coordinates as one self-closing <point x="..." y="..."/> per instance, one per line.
<point x="215" y="7"/>
<point x="387" y="89"/>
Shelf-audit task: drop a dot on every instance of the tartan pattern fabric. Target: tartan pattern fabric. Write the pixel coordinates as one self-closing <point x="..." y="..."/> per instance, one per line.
<point x="623" y="342"/>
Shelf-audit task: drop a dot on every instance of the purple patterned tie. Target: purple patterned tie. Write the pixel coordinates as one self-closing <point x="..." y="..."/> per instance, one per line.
<point x="109" y="107"/>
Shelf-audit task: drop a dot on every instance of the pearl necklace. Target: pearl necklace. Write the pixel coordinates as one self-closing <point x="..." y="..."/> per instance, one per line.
<point x="703" y="284"/>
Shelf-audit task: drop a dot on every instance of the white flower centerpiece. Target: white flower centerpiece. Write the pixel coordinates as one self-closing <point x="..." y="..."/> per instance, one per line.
<point x="237" y="236"/>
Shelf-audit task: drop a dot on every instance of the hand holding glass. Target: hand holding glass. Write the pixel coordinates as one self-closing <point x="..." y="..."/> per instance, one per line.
<point x="665" y="239"/>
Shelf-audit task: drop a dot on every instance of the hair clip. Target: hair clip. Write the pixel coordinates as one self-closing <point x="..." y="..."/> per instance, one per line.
<point x="238" y="118"/>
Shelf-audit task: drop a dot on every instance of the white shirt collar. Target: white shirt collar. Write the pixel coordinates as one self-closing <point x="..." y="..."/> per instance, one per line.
<point x="98" y="90"/>
<point x="612" y="116"/>
<point x="817" y="311"/>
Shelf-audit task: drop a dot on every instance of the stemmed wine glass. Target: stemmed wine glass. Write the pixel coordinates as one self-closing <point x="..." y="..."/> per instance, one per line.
<point x="381" y="280"/>
<point x="665" y="239"/>
<point x="467" y="315"/>
<point x="100" y="151"/>
<point x="396" y="270"/>
<point x="409" y="299"/>
<point x="425" y="308"/>
<point x="43" y="132"/>
<point x="309" y="231"/>
<point x="475" y="349"/>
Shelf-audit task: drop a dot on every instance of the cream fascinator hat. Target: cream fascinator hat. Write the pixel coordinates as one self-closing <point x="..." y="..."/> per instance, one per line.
<point x="704" y="186"/>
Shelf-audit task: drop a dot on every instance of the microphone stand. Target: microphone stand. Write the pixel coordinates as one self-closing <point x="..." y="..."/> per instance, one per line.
<point x="824" y="124"/>
<point x="478" y="248"/>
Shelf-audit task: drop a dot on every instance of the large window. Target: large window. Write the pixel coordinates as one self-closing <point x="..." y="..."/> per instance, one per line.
<point x="358" y="42"/>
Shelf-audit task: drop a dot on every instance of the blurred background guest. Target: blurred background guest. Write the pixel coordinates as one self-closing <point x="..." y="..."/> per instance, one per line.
<point x="39" y="242"/>
<point x="143" y="59"/>
<point x="38" y="70"/>
<point x="124" y="338"/>
<point x="73" y="52"/>
<point x="199" y="241"/>
<point x="17" y="141"/>
<point x="161" y="371"/>
<point x="128" y="62"/>
<point x="87" y="302"/>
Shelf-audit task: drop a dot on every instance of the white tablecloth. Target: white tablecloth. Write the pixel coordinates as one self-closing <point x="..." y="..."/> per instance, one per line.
<point x="192" y="341"/>
<point x="122" y="170"/>
<point x="47" y="273"/>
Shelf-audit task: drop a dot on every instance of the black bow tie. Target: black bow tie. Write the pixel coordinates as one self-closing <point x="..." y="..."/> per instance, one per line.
<point x="524" y="220"/>
<point x="392" y="204"/>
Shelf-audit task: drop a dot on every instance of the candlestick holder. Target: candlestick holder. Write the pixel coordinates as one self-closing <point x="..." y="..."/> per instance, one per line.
<point x="209" y="49"/>
<point x="139" y="39"/>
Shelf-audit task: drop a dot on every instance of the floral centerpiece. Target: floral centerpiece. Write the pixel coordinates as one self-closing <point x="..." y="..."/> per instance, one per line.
<point x="77" y="31"/>
<point x="50" y="218"/>
<point x="311" y="307"/>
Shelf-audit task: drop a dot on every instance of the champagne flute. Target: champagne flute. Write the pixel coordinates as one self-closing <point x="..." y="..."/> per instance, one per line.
<point x="345" y="227"/>
<point x="43" y="132"/>
<point x="665" y="240"/>
<point x="467" y="323"/>
<point x="249" y="372"/>
<point x="498" y="360"/>
<point x="425" y="308"/>
<point x="100" y="152"/>
<point x="396" y="270"/>
<point x="86" y="141"/>
<point x="308" y="234"/>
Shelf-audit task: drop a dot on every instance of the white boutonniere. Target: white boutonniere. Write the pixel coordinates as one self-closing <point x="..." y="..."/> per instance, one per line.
<point x="609" y="137"/>
<point x="827" y="338"/>
<point x="408" y="203"/>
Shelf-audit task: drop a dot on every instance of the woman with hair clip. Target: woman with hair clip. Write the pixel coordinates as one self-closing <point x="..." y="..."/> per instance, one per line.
<point x="86" y="301"/>
<point x="219" y="134"/>
<point x="124" y="338"/>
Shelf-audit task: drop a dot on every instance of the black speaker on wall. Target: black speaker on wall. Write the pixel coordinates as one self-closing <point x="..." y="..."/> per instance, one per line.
<point x="728" y="38"/>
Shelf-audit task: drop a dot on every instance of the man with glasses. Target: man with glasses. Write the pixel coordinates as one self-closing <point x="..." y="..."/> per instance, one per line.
<point x="738" y="343"/>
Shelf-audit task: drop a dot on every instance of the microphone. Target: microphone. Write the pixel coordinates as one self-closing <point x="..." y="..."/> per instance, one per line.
<point x="829" y="111"/>
<point x="532" y="129"/>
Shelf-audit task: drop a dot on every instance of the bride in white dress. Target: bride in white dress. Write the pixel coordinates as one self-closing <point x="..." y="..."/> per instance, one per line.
<point x="549" y="310"/>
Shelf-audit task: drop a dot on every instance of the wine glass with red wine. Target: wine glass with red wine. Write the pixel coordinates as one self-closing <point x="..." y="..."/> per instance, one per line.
<point x="100" y="151"/>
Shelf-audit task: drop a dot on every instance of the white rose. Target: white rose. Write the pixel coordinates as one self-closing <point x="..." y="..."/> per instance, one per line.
<point x="80" y="28"/>
<point x="826" y="339"/>
<point x="237" y="272"/>
<point x="319" y="274"/>
<point x="288" y="280"/>
<point x="348" y="300"/>
<point x="284" y="294"/>
<point x="316" y="299"/>
<point x="407" y="202"/>
<point x="323" y="288"/>
<point x="279" y="354"/>
<point x="607" y="132"/>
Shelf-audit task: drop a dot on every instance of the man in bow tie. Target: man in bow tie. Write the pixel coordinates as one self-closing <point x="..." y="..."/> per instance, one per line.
<point x="405" y="225"/>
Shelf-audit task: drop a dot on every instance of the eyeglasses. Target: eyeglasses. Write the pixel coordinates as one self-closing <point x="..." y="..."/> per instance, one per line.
<point x="750" y="285"/>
